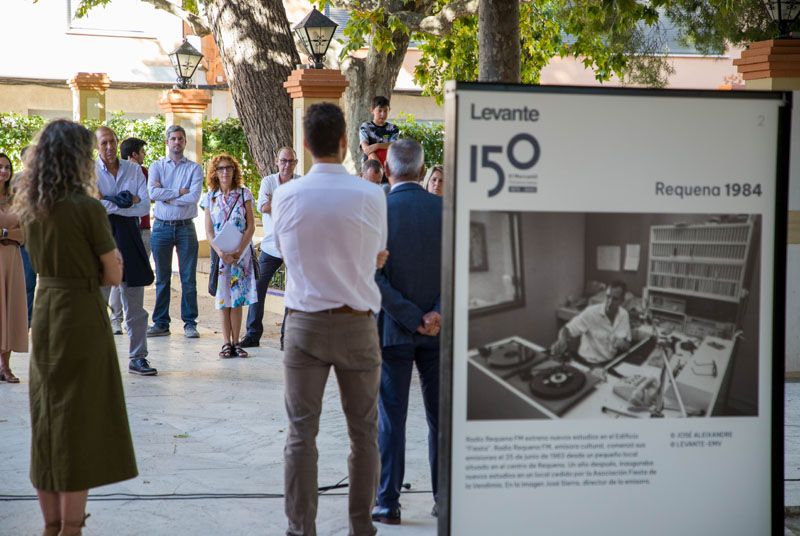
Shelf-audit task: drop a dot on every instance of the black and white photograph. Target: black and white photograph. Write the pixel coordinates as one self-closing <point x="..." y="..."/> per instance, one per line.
<point x="613" y="315"/>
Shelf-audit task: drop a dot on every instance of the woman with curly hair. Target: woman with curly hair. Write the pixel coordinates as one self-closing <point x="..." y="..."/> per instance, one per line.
<point x="80" y="433"/>
<point x="229" y="203"/>
<point x="13" y="308"/>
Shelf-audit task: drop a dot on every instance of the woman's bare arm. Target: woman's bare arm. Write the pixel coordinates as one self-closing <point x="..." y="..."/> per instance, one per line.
<point x="111" y="264"/>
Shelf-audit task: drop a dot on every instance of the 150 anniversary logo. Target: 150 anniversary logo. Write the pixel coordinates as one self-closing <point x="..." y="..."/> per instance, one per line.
<point x="522" y="152"/>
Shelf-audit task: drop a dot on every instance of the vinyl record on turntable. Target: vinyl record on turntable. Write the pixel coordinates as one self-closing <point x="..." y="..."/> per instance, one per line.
<point x="557" y="382"/>
<point x="509" y="355"/>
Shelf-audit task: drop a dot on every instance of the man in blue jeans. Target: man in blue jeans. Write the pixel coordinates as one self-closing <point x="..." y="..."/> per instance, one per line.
<point x="270" y="260"/>
<point x="175" y="184"/>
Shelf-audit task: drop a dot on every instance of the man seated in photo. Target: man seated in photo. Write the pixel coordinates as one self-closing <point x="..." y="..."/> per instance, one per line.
<point x="604" y="329"/>
<point x="375" y="136"/>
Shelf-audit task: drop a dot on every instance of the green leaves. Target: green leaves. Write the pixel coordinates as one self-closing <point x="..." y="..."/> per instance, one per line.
<point x="17" y="131"/>
<point x="430" y="135"/>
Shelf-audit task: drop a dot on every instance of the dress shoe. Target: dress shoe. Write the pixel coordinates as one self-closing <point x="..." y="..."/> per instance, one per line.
<point x="157" y="331"/>
<point x="249" y="342"/>
<point x="140" y="366"/>
<point x="386" y="515"/>
<point x="190" y="332"/>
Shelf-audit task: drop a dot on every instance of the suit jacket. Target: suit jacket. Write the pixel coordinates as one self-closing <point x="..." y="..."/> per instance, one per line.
<point x="136" y="270"/>
<point x="410" y="280"/>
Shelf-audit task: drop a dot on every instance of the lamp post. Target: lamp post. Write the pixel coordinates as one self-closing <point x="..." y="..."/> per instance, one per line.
<point x="311" y="84"/>
<point x="784" y="13"/>
<point x="185" y="60"/>
<point x="315" y="33"/>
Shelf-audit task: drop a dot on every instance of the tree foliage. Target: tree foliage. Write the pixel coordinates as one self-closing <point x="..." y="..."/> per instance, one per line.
<point x="429" y="135"/>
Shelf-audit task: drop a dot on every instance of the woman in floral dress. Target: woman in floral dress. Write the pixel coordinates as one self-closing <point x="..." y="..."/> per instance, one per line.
<point x="227" y="200"/>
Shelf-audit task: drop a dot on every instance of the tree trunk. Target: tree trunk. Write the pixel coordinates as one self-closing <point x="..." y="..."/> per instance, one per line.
<point x="498" y="41"/>
<point x="258" y="53"/>
<point x="368" y="77"/>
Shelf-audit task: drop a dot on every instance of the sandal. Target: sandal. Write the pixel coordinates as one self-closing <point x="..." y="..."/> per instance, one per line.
<point x="227" y="351"/>
<point x="69" y="525"/>
<point x="52" y="528"/>
<point x="239" y="351"/>
<point x="7" y="376"/>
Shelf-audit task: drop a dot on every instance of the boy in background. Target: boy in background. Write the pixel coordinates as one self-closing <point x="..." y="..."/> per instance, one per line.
<point x="376" y="135"/>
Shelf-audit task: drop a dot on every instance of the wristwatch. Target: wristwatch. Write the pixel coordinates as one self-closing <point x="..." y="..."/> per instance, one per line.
<point x="4" y="233"/>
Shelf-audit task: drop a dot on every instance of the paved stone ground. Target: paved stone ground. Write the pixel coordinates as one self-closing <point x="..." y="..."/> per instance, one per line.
<point x="207" y="426"/>
<point x="211" y="426"/>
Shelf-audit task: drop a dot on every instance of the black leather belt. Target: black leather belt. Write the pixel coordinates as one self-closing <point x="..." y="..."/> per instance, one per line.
<point x="176" y="223"/>
<point x="343" y="310"/>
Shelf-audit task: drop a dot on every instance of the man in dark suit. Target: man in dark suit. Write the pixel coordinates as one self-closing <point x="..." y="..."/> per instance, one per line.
<point x="410" y="320"/>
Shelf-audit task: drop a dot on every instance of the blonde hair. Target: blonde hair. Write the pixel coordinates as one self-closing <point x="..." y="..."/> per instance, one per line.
<point x="60" y="163"/>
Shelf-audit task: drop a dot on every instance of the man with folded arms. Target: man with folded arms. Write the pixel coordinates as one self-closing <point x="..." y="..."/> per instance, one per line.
<point x="175" y="184"/>
<point x="330" y="228"/>
<point x="123" y="193"/>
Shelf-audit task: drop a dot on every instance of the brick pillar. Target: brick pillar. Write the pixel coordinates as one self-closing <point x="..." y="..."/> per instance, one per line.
<point x="185" y="107"/>
<point x="307" y="87"/>
<point x="771" y="65"/>
<point x="775" y="65"/>
<point x="89" y="95"/>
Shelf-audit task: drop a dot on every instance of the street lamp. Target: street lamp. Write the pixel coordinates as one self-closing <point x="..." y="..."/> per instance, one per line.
<point x="315" y="33"/>
<point x="185" y="60"/>
<point x="783" y="12"/>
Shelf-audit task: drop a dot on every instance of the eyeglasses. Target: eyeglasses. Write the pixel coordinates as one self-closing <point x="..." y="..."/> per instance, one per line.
<point x="222" y="169"/>
<point x="283" y="161"/>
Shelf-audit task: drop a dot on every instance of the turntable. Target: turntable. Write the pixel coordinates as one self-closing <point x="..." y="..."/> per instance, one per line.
<point x="558" y="386"/>
<point x="509" y="355"/>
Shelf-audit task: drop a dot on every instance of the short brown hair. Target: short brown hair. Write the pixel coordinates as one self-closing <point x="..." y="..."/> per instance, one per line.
<point x="324" y="127"/>
<point x="212" y="180"/>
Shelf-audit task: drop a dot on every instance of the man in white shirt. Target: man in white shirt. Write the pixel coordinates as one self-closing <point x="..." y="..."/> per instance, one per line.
<point x="123" y="191"/>
<point x="604" y="328"/>
<point x="270" y="259"/>
<point x="330" y="227"/>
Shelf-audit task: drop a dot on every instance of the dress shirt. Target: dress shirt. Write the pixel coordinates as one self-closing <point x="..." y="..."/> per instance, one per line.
<point x="268" y="186"/>
<point x="597" y="332"/>
<point x="173" y="176"/>
<point x="129" y="177"/>
<point x="329" y="227"/>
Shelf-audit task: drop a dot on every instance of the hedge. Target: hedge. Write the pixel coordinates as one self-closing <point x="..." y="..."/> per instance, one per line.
<point x="17" y="131"/>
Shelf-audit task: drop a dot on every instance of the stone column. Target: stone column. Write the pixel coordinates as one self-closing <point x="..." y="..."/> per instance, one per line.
<point x="307" y="87"/>
<point x="775" y="65"/>
<point x="89" y="95"/>
<point x="185" y="107"/>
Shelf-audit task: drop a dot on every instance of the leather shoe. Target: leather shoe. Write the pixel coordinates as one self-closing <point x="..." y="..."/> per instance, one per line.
<point x="140" y="366"/>
<point x="386" y="515"/>
<point x="249" y="342"/>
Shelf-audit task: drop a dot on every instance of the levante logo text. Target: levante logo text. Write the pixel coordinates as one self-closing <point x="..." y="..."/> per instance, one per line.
<point x="489" y="113"/>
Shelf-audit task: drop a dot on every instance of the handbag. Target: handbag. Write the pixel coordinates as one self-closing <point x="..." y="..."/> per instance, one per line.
<point x="213" y="273"/>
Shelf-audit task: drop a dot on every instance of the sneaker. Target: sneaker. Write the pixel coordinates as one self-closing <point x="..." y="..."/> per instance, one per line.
<point x="157" y="331"/>
<point x="140" y="366"/>
<point x="190" y="332"/>
<point x="249" y="342"/>
<point x="386" y="515"/>
<point x="116" y="328"/>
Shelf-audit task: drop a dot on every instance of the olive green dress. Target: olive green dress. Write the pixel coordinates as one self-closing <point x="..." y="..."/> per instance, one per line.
<point x="81" y="438"/>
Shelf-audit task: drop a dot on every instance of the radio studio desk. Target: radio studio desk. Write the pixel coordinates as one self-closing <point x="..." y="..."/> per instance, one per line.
<point x="514" y="378"/>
